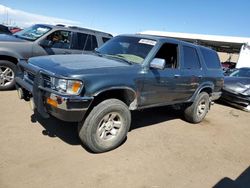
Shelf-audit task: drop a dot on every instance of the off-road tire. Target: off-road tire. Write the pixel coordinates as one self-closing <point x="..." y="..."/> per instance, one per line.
<point x="88" y="129"/>
<point x="192" y="113"/>
<point x="11" y="66"/>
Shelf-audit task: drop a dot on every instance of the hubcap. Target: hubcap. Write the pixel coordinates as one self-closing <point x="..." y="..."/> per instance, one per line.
<point x="109" y="126"/>
<point x="6" y="76"/>
<point x="201" y="109"/>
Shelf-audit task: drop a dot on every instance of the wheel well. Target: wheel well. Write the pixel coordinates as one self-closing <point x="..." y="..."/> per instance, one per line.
<point x="9" y="58"/>
<point x="125" y="95"/>
<point x="207" y="90"/>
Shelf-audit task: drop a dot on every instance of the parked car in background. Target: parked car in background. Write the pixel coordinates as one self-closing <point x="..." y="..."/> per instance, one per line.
<point x="229" y="71"/>
<point x="228" y="65"/>
<point x="40" y="40"/>
<point x="236" y="90"/>
<point x="129" y="72"/>
<point x="4" y="30"/>
<point x="15" y="29"/>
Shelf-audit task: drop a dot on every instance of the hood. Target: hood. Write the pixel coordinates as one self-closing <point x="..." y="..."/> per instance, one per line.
<point x="75" y="64"/>
<point x="10" y="38"/>
<point x="240" y="85"/>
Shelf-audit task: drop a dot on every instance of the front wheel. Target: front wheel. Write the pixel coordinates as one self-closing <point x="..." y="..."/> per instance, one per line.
<point x="196" y="112"/>
<point x="106" y="126"/>
<point x="7" y="75"/>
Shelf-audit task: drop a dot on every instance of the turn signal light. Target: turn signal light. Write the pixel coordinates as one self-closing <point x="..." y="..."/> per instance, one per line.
<point x="76" y="87"/>
<point x="52" y="102"/>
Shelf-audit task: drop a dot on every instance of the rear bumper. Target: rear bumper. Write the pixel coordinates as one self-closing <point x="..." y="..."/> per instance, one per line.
<point x="66" y="108"/>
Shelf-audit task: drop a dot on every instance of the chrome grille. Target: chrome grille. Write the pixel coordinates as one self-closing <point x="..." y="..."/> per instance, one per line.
<point x="44" y="80"/>
<point x="47" y="81"/>
<point x="31" y="76"/>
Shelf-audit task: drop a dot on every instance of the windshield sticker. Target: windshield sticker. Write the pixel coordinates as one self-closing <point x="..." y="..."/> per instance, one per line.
<point x="146" y="41"/>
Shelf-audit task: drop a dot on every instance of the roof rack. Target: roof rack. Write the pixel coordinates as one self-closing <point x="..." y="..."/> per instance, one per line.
<point x="83" y="29"/>
<point x="60" y="25"/>
<point x="86" y="29"/>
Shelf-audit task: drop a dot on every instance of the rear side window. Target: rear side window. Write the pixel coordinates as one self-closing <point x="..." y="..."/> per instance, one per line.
<point x="84" y="41"/>
<point x="211" y="59"/>
<point x="191" y="59"/>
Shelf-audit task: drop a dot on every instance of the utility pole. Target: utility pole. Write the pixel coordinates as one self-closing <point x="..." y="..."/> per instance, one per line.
<point x="7" y="17"/>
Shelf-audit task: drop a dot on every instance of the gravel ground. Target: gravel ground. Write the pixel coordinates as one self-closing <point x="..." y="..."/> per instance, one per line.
<point x="161" y="150"/>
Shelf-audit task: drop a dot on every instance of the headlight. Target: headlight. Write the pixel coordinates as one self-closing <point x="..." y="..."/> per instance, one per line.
<point x="72" y="87"/>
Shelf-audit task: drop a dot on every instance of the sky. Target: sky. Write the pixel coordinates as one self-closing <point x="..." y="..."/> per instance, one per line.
<point x="213" y="17"/>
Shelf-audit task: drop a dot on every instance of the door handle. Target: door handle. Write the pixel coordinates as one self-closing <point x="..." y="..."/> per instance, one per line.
<point x="177" y="75"/>
<point x="66" y="52"/>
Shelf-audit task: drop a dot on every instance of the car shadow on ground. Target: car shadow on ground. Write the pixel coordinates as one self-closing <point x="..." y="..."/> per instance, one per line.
<point x="243" y="181"/>
<point x="53" y="127"/>
<point x="67" y="131"/>
<point x="153" y="116"/>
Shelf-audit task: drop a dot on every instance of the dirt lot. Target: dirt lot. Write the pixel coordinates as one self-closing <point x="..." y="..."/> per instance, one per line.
<point x="161" y="150"/>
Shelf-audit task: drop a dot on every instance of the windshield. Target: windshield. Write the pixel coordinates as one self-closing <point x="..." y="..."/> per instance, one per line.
<point x="131" y="49"/>
<point x="34" y="32"/>
<point x="245" y="72"/>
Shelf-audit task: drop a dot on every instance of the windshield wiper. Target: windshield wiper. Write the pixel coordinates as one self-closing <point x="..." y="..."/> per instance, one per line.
<point x="120" y="57"/>
<point x="97" y="53"/>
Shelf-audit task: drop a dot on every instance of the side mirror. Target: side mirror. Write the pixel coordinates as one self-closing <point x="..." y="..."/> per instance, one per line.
<point x="158" y="63"/>
<point x="46" y="43"/>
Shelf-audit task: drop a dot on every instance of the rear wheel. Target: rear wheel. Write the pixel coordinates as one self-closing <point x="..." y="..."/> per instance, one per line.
<point x="106" y="126"/>
<point x="196" y="112"/>
<point x="7" y="75"/>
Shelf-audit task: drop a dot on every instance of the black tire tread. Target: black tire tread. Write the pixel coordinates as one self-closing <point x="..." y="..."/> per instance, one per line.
<point x="85" y="128"/>
<point x="190" y="111"/>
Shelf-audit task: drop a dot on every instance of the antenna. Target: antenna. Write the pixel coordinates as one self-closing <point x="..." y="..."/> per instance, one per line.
<point x="85" y="44"/>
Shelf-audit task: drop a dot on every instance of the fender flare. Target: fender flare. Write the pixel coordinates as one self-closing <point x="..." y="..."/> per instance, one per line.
<point x="132" y="105"/>
<point x="10" y="54"/>
<point x="206" y="85"/>
<point x="114" y="88"/>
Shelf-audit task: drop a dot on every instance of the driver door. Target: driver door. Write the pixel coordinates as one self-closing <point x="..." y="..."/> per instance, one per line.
<point x="58" y="42"/>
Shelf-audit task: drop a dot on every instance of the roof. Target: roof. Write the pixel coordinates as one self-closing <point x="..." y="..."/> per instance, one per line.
<point x="163" y="39"/>
<point x="157" y="38"/>
<point x="152" y="37"/>
<point x="76" y="28"/>
<point x="220" y="43"/>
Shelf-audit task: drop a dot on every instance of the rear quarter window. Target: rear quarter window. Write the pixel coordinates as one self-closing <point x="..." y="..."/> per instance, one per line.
<point x="83" y="41"/>
<point x="191" y="59"/>
<point x="211" y="59"/>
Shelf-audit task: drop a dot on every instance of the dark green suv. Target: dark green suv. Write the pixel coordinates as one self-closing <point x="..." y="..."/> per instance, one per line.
<point x="40" y="40"/>
<point x="129" y="72"/>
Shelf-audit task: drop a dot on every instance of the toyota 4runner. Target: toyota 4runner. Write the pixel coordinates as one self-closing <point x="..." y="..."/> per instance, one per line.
<point x="129" y="72"/>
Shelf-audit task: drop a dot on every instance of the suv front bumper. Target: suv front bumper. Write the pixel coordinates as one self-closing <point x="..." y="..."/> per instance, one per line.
<point x="49" y="102"/>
